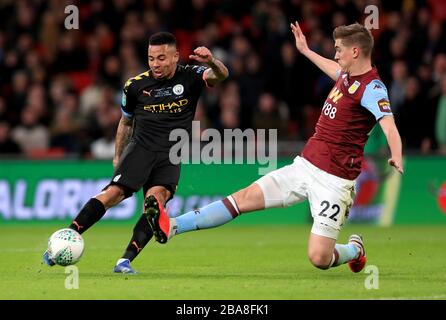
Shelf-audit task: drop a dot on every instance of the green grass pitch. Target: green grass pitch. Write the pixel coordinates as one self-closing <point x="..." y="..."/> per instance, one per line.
<point x="230" y="262"/>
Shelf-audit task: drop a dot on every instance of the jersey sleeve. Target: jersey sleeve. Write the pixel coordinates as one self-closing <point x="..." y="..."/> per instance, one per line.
<point x="197" y="73"/>
<point x="338" y="73"/>
<point x="376" y="100"/>
<point x="128" y="101"/>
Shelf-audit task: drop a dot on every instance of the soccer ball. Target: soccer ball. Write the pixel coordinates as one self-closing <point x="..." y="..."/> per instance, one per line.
<point x="65" y="247"/>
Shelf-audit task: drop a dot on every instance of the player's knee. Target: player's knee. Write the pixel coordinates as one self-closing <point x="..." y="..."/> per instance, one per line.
<point x="243" y="195"/>
<point x="320" y="260"/>
<point x="249" y="199"/>
<point x="111" y="196"/>
<point x="115" y="191"/>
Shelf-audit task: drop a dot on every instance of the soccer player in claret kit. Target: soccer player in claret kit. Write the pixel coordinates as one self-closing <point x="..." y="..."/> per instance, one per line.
<point x="154" y="103"/>
<point x="330" y="162"/>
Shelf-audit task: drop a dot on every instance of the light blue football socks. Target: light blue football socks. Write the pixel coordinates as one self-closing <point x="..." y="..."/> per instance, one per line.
<point x="344" y="253"/>
<point x="213" y="215"/>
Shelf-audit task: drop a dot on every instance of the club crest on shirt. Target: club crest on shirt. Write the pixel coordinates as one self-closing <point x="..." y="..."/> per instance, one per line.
<point x="384" y="105"/>
<point x="352" y="89"/>
<point x="178" y="89"/>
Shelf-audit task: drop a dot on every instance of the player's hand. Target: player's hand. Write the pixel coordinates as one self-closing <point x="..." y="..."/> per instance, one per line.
<point x="202" y="55"/>
<point x="397" y="164"/>
<point x="301" y="41"/>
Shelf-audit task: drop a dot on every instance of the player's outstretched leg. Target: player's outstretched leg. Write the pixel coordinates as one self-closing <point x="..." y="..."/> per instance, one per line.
<point x="213" y="215"/>
<point x="356" y="265"/>
<point x="157" y="219"/>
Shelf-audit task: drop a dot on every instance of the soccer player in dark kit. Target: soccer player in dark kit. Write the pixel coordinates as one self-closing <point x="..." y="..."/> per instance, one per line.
<point x="330" y="162"/>
<point x="154" y="103"/>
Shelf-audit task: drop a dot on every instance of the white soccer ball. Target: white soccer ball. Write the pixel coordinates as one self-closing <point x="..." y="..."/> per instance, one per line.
<point x="65" y="247"/>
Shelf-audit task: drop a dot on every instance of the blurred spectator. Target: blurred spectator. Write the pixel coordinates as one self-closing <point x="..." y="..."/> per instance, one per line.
<point x="36" y="99"/>
<point x="440" y="124"/>
<point x="42" y="63"/>
<point x="269" y="116"/>
<point x="252" y="84"/>
<point x="288" y="71"/>
<point x="3" y="109"/>
<point x="7" y="145"/>
<point x="67" y="123"/>
<point x="397" y="90"/>
<point x="30" y="135"/>
<point x="131" y="65"/>
<point x="111" y="71"/>
<point x="90" y="98"/>
<point x="17" y="101"/>
<point x="49" y="36"/>
<point x="424" y="73"/>
<point x="439" y="66"/>
<point x="411" y="120"/>
<point x="436" y="41"/>
<point x="230" y="107"/>
<point x="71" y="56"/>
<point x="104" y="148"/>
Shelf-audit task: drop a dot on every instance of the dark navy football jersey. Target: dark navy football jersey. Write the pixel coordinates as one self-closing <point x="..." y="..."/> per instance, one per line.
<point x="160" y="106"/>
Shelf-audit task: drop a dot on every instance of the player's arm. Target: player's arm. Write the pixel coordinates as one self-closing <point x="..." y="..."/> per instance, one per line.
<point x="123" y="135"/>
<point x="330" y="67"/>
<point x="390" y="130"/>
<point x="217" y="71"/>
<point x="376" y="100"/>
<point x="125" y="127"/>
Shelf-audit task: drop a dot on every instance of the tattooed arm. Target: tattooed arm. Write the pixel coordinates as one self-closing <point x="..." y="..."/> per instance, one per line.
<point x="123" y="135"/>
<point x="217" y="72"/>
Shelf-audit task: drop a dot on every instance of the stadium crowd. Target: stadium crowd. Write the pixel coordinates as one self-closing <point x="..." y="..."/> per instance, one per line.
<point x="60" y="90"/>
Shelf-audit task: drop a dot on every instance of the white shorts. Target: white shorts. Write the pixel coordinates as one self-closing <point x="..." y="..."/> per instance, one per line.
<point x="330" y="197"/>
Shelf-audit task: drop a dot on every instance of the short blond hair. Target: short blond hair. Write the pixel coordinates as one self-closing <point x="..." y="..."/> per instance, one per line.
<point x="355" y="34"/>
